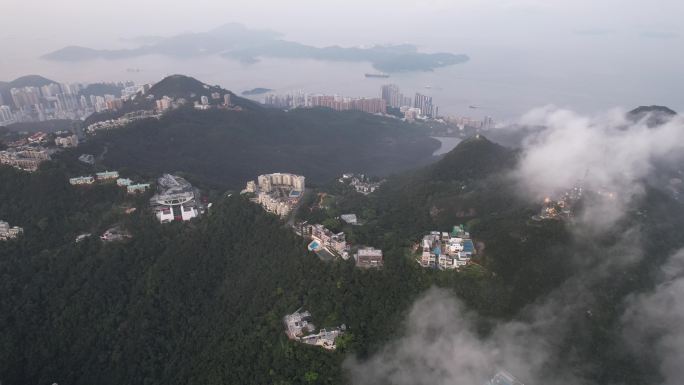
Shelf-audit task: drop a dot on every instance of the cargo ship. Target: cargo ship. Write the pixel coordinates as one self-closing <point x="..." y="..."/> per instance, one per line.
<point x="379" y="75"/>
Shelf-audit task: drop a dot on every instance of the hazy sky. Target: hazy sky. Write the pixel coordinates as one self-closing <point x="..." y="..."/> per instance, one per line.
<point x="433" y="23"/>
<point x="605" y="52"/>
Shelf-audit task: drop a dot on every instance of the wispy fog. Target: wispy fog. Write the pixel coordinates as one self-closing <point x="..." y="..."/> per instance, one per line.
<point x="605" y="153"/>
<point x="655" y="321"/>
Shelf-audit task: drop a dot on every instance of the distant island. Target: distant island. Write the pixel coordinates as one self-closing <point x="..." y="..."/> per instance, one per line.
<point x="235" y="41"/>
<point x="256" y="91"/>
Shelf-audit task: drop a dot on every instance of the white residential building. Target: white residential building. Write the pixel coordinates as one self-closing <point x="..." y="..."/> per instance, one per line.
<point x="107" y="175"/>
<point x="121" y="182"/>
<point x="7" y="232"/>
<point x="81" y="180"/>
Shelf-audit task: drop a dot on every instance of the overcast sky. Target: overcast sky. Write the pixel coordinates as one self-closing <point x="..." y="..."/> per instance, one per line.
<point x="605" y="52"/>
<point x="433" y="23"/>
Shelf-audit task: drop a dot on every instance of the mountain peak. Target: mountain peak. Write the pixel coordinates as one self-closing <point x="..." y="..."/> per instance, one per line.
<point x="652" y="109"/>
<point x="654" y="115"/>
<point x="30" y="81"/>
<point x="179" y="86"/>
<point x="187" y="87"/>
<point x="474" y="157"/>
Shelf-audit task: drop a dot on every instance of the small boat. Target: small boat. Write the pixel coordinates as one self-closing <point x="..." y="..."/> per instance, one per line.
<point x="378" y="75"/>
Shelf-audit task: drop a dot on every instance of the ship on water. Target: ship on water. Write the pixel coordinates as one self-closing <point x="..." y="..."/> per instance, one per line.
<point x="378" y="75"/>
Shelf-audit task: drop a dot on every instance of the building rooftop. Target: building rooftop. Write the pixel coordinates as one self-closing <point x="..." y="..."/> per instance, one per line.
<point x="173" y="190"/>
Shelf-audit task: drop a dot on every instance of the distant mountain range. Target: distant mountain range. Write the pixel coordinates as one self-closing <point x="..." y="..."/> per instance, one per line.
<point x="237" y="42"/>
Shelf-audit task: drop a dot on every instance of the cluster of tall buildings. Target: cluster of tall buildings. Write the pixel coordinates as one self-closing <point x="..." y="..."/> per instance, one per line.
<point x="420" y="106"/>
<point x="295" y="100"/>
<point x="424" y="104"/>
<point x="423" y="107"/>
<point x="369" y="105"/>
<point x="335" y="102"/>
<point x="464" y="121"/>
<point x="393" y="96"/>
<point x="58" y="101"/>
<point x="51" y="101"/>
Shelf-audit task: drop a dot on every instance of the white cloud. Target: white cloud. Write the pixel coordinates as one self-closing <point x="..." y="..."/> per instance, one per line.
<point x="605" y="153"/>
<point x="442" y="344"/>
<point x="654" y="321"/>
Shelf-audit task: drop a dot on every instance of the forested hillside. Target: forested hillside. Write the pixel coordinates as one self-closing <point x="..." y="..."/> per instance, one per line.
<point x="529" y="259"/>
<point x="195" y="303"/>
<point x="230" y="147"/>
<point x="51" y="211"/>
<point x="202" y="302"/>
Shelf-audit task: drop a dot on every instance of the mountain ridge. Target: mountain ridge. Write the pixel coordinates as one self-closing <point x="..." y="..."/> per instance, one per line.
<point x="247" y="45"/>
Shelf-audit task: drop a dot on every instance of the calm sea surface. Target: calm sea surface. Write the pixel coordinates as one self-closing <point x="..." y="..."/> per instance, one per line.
<point x="503" y="85"/>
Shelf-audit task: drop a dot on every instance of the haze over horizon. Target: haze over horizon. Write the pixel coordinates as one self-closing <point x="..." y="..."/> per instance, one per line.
<point x="581" y="54"/>
<point x="435" y="24"/>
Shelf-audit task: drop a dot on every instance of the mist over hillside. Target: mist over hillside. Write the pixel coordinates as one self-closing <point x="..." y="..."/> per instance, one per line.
<point x="616" y="273"/>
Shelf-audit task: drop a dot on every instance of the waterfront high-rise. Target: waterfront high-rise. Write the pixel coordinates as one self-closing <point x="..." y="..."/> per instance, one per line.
<point x="393" y="97"/>
<point x="424" y="103"/>
<point x="25" y="97"/>
<point x="6" y="114"/>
